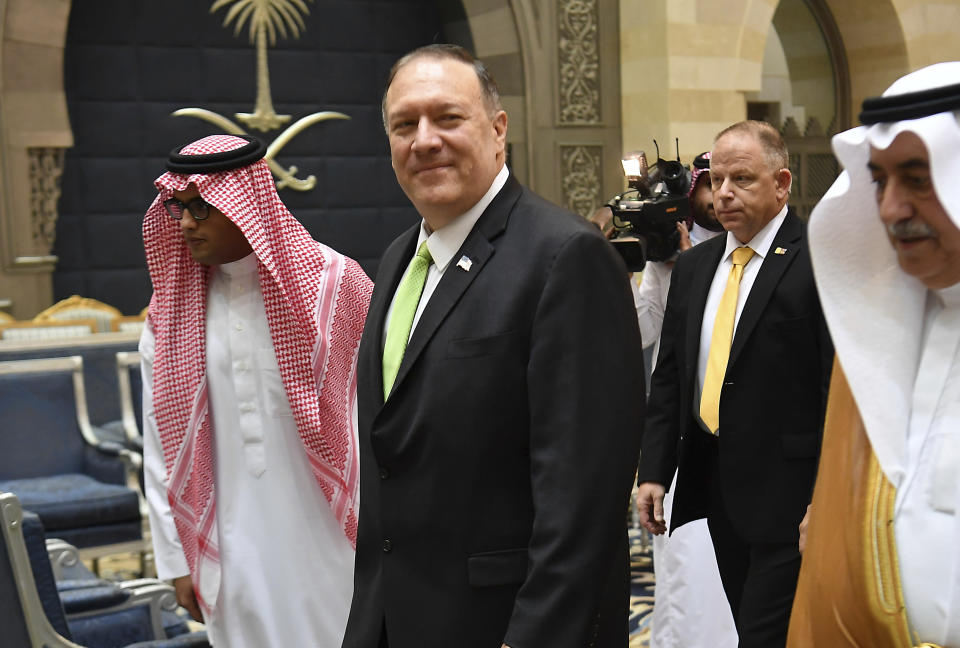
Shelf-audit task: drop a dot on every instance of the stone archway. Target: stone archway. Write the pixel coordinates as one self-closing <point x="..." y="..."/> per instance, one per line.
<point x="490" y="30"/>
<point x="34" y="132"/>
<point x="558" y="67"/>
<point x="875" y="44"/>
<point x="711" y="53"/>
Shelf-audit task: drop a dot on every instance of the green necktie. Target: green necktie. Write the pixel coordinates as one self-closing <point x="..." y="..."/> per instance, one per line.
<point x="405" y="303"/>
<point x="721" y="340"/>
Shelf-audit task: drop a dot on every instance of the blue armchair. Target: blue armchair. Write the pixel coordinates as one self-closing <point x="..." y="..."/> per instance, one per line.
<point x="51" y="459"/>
<point x="126" y="430"/>
<point x="98" y="614"/>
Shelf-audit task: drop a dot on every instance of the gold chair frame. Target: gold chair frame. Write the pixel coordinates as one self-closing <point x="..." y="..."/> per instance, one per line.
<point x="64" y="309"/>
<point x="91" y="325"/>
<point x="116" y="324"/>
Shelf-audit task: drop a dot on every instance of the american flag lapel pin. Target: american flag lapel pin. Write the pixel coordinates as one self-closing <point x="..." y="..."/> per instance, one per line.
<point x="780" y="250"/>
<point x="465" y="263"/>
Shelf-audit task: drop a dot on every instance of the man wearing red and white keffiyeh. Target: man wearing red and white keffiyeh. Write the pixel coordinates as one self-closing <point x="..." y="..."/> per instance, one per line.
<point x="249" y="366"/>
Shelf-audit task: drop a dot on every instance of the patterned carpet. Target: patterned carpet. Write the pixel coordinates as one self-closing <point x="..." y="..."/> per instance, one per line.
<point x="125" y="566"/>
<point x="641" y="591"/>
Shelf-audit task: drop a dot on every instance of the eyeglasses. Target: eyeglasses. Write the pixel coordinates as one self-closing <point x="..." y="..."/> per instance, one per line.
<point x="199" y="208"/>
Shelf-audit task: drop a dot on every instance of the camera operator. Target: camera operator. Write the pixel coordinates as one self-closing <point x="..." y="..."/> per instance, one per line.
<point x="690" y="608"/>
<point x="651" y="295"/>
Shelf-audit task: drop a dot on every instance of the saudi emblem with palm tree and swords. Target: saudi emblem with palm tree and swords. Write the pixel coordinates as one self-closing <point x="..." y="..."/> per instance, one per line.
<point x="266" y="19"/>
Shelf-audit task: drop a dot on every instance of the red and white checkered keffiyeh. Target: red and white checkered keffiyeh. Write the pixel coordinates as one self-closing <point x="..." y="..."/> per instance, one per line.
<point x="695" y="174"/>
<point x="316" y="301"/>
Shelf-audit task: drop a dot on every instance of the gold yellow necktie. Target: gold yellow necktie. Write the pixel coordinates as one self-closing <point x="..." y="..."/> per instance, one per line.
<point x="405" y="304"/>
<point x="721" y="340"/>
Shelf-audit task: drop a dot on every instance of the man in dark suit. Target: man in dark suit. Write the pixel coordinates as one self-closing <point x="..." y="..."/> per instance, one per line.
<point x="739" y="393"/>
<point x="497" y="447"/>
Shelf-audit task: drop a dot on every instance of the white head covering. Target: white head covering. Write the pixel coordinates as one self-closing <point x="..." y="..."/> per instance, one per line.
<point x="874" y="310"/>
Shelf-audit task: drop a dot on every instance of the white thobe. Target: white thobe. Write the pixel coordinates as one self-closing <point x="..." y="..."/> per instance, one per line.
<point x="287" y="567"/>
<point x="650" y="296"/>
<point x="925" y="515"/>
<point x="690" y="607"/>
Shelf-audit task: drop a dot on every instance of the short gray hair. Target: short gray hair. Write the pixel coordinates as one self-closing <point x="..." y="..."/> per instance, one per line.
<point x="769" y="137"/>
<point x="488" y="85"/>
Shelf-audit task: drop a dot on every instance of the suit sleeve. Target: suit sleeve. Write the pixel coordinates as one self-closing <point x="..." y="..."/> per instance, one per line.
<point x="586" y="401"/>
<point x="167" y="550"/>
<point x="661" y="431"/>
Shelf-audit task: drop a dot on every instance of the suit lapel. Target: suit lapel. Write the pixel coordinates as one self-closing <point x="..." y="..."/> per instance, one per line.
<point x="391" y="269"/>
<point x="699" y="289"/>
<point x="788" y="238"/>
<point x="478" y="248"/>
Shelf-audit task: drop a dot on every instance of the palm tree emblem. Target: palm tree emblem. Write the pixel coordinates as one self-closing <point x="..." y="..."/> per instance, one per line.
<point x="266" y="19"/>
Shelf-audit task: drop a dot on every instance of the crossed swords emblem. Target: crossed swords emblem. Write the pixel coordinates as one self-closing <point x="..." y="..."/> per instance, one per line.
<point x="267" y="19"/>
<point x="286" y="177"/>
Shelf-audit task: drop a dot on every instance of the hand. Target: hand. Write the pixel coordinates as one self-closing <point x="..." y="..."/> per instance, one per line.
<point x="603" y="219"/>
<point x="186" y="597"/>
<point x="650" y="505"/>
<point x="685" y="243"/>
<point x="803" y="529"/>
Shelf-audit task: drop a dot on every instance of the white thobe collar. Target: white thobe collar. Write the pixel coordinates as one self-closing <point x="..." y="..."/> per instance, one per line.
<point x="241" y="267"/>
<point x="699" y="234"/>
<point x="949" y="297"/>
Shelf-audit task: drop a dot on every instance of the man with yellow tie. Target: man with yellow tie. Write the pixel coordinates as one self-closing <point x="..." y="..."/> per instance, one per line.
<point x="739" y="393"/>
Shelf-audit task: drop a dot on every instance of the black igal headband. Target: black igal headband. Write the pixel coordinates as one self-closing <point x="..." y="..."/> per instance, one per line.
<point x="911" y="105"/>
<point x="247" y="154"/>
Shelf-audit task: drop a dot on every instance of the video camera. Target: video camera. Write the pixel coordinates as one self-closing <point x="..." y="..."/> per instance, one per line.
<point x="645" y="216"/>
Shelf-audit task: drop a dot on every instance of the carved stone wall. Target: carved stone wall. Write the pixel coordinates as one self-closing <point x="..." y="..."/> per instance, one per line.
<point x="579" y="62"/>
<point x="571" y="58"/>
<point x="582" y="178"/>
<point x="34" y="132"/>
<point x="46" y="168"/>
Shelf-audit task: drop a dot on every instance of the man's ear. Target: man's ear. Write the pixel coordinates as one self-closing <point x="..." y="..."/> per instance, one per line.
<point x="784" y="183"/>
<point x="500" y="125"/>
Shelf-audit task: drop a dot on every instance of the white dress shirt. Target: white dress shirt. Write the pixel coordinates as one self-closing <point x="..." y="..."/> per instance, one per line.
<point x="443" y="244"/>
<point x="287" y="568"/>
<point x="760" y="244"/>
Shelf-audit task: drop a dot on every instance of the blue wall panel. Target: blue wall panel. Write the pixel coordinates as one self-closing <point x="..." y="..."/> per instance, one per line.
<point x="130" y="63"/>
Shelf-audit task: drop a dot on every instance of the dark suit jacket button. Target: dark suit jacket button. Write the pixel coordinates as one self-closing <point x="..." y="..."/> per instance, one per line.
<point x="387" y="546"/>
<point x="384" y="473"/>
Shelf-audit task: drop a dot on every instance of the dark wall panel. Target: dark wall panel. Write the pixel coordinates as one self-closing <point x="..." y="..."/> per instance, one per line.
<point x="130" y="63"/>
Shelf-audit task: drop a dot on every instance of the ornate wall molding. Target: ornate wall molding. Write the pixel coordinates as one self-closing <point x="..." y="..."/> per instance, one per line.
<point x="578" y="44"/>
<point x="582" y="173"/>
<point x="46" y="167"/>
